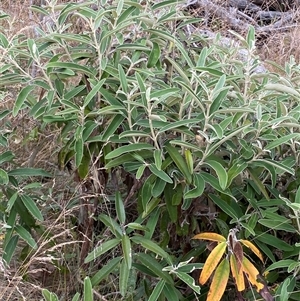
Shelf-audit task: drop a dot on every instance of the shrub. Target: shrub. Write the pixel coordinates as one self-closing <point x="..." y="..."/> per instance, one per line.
<point x="179" y="132"/>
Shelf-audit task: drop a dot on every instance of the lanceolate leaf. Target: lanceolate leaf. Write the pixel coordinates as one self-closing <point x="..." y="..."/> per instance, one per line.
<point x="210" y="236"/>
<point x="160" y="173"/>
<point x="253" y="248"/>
<point x="180" y="162"/>
<point x="252" y="274"/>
<point x="219" y="282"/>
<point x="212" y="261"/>
<point x="237" y="274"/>
<point x="23" y="233"/>
<point x="282" y="140"/>
<point x="21" y="99"/>
<point x="220" y="171"/>
<point x="157" y="290"/>
<point x="103" y="248"/>
<point x="190" y="281"/>
<point x="128" y="148"/>
<point x="32" y="207"/>
<point x="87" y="290"/>
<point x="150" y="245"/>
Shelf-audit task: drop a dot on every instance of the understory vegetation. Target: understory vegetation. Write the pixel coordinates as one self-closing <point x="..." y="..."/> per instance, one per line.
<point x="141" y="160"/>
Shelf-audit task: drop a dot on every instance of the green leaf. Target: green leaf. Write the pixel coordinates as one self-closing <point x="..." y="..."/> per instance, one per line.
<point x="21" y="99"/>
<point x="297" y="197"/>
<point x="153" y="265"/>
<point x="266" y="250"/>
<point x="32" y="207"/>
<point x="180" y="162"/>
<point x="224" y="206"/>
<point x="105" y="271"/>
<point x="157" y="290"/>
<point x="160" y="173"/>
<point x="258" y="182"/>
<point x="190" y="281"/>
<point x="123" y="278"/>
<point x="76" y="297"/>
<point x="154" y="56"/>
<point x="4" y="179"/>
<point x="24" y="234"/>
<point x="220" y="171"/>
<point x="280" y="264"/>
<point x="281" y="140"/>
<point x="7" y="156"/>
<point x="220" y="95"/>
<point x="103" y="248"/>
<point x="199" y="184"/>
<point x="158" y="158"/>
<point x="49" y="296"/>
<point x="110" y="223"/>
<point x="128" y="148"/>
<point x="93" y="92"/>
<point x="274" y="241"/>
<point x="87" y="290"/>
<point x="71" y="66"/>
<point x="277" y="165"/>
<point x="10" y="248"/>
<point x="176" y="42"/>
<point x="78" y="148"/>
<point x="213" y="182"/>
<point x="178" y="124"/>
<point x="151" y="246"/>
<point x="236" y="169"/>
<point x="276" y="225"/>
<point x="122" y="77"/>
<point x="158" y="187"/>
<point x="120" y="208"/>
<point x="27" y="172"/>
<point x="170" y="292"/>
<point x="127" y="252"/>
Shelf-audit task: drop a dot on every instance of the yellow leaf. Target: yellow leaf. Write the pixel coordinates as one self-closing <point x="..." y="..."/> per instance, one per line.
<point x="211" y="262"/>
<point x="253" y="248"/>
<point x="210" y="236"/>
<point x="237" y="274"/>
<point x="219" y="282"/>
<point x="252" y="274"/>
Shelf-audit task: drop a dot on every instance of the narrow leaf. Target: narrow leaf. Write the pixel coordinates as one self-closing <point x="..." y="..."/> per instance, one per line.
<point x="190" y="281"/>
<point x="32" y="207"/>
<point x="24" y="234"/>
<point x="160" y="173"/>
<point x="180" y="162"/>
<point x="157" y="290"/>
<point x="103" y="248"/>
<point x="212" y="261"/>
<point x="87" y="290"/>
<point x="210" y="236"/>
<point x="127" y="252"/>
<point x="128" y="148"/>
<point x="220" y="171"/>
<point x="219" y="282"/>
<point x="105" y="271"/>
<point x="152" y="246"/>
<point x="252" y="274"/>
<point x="120" y="208"/>
<point x="21" y="99"/>
<point x="281" y="140"/>
<point x="253" y="248"/>
<point x="237" y="274"/>
<point x="123" y="278"/>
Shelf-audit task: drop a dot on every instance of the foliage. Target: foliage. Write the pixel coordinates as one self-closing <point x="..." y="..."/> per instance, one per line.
<point x="235" y="260"/>
<point x="182" y="130"/>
